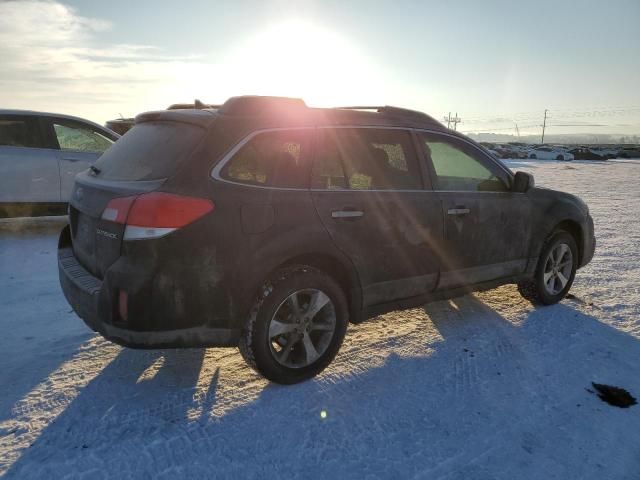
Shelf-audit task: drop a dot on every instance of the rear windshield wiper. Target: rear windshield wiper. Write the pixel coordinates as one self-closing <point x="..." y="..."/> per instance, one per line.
<point x="95" y="170"/>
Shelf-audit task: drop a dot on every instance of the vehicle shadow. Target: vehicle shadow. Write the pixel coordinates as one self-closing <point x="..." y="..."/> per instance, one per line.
<point x="39" y="331"/>
<point x="455" y="390"/>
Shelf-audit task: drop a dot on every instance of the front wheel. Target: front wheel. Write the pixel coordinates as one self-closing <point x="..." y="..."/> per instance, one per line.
<point x="555" y="271"/>
<point x="296" y="326"/>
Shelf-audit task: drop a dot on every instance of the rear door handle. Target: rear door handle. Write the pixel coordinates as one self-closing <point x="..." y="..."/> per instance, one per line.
<point x="347" y="213"/>
<point x="458" y="211"/>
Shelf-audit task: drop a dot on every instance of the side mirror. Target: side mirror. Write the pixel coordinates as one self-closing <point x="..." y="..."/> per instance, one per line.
<point x="522" y="182"/>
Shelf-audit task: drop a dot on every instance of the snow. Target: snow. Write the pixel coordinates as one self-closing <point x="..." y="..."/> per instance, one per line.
<point x="483" y="386"/>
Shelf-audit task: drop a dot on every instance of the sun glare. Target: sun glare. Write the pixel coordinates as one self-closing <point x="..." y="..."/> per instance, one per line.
<point x="299" y="59"/>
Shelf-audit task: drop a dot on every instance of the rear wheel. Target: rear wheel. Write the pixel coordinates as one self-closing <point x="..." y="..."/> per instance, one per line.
<point x="296" y="327"/>
<point x="560" y="157"/>
<point x="555" y="271"/>
<point x="533" y="155"/>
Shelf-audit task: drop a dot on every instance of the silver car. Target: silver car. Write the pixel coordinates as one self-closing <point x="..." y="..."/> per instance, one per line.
<point x="40" y="155"/>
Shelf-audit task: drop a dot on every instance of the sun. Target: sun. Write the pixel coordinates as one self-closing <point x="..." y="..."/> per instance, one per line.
<point x="296" y="58"/>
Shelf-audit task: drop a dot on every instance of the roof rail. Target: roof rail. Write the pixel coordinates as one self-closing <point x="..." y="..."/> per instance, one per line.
<point x="256" y="105"/>
<point x="396" y="112"/>
<point x="377" y="108"/>
<point x="197" y="104"/>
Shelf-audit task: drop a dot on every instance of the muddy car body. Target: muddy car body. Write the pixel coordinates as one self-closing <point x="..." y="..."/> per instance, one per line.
<point x="247" y="223"/>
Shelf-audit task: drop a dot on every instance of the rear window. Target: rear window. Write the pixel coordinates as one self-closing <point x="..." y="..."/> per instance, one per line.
<point x="149" y="151"/>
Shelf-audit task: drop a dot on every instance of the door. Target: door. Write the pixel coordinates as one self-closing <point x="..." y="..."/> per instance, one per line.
<point x="486" y="226"/>
<point x="368" y="190"/>
<point x="80" y="145"/>
<point x="29" y="172"/>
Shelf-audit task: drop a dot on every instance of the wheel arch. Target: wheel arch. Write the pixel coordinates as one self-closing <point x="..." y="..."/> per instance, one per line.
<point x="575" y="230"/>
<point x="338" y="269"/>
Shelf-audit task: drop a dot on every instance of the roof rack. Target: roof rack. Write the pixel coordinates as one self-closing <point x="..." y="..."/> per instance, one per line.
<point x="377" y="108"/>
<point x="257" y="105"/>
<point x="396" y="112"/>
<point x="197" y="104"/>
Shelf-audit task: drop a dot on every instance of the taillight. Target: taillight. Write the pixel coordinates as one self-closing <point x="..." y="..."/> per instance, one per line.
<point x="153" y="215"/>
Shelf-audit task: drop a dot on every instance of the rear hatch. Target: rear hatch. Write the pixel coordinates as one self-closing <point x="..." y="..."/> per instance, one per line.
<point x="139" y="162"/>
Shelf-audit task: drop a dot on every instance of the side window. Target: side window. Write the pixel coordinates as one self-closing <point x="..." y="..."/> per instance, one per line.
<point x="366" y="159"/>
<point x="458" y="168"/>
<point x="80" y="138"/>
<point x="275" y="159"/>
<point x="19" y="131"/>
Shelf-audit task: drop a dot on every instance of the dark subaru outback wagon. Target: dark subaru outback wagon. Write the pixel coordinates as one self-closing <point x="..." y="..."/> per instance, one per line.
<point x="269" y="225"/>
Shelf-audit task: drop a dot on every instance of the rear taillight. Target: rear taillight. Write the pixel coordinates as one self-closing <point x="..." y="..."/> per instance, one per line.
<point x="153" y="215"/>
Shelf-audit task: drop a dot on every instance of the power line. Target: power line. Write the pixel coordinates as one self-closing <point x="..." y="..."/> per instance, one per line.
<point x="559" y="113"/>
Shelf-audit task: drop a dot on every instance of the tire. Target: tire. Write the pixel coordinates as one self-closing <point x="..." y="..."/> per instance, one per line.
<point x="560" y="157"/>
<point x="286" y="302"/>
<point x="535" y="290"/>
<point x="533" y="155"/>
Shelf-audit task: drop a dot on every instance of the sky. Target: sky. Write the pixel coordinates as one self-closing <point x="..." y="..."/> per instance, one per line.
<point x="497" y="64"/>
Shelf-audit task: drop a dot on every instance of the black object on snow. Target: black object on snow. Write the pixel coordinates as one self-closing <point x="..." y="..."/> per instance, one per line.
<point x="615" y="396"/>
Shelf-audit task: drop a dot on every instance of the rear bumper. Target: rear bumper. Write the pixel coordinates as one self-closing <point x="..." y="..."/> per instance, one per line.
<point x="89" y="297"/>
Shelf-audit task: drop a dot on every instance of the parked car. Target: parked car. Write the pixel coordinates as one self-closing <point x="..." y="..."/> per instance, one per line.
<point x="40" y="155"/>
<point x="585" y="153"/>
<point x="606" y="152"/>
<point x="550" y="153"/>
<point x="120" y="125"/>
<point x="269" y="225"/>
<point x="629" y="152"/>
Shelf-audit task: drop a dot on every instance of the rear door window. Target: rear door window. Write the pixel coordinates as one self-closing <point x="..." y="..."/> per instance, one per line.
<point x="366" y="159"/>
<point x="274" y="159"/>
<point x="149" y="151"/>
<point x="80" y="138"/>
<point x="20" y="131"/>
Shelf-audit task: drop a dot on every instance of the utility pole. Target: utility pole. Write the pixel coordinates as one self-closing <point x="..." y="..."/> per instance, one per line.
<point x="544" y="124"/>
<point x="517" y="131"/>
<point x="448" y="120"/>
<point x="455" y="120"/>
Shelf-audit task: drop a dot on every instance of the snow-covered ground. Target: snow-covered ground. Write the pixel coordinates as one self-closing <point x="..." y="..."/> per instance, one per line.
<point x="483" y="386"/>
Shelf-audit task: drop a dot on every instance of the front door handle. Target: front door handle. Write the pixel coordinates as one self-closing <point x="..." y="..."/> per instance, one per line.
<point x="460" y="210"/>
<point x="353" y="214"/>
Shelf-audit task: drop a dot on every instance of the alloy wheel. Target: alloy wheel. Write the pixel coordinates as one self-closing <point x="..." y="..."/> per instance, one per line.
<point x="558" y="268"/>
<point x="301" y="328"/>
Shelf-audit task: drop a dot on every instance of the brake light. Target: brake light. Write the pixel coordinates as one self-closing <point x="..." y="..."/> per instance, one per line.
<point x="153" y="215"/>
